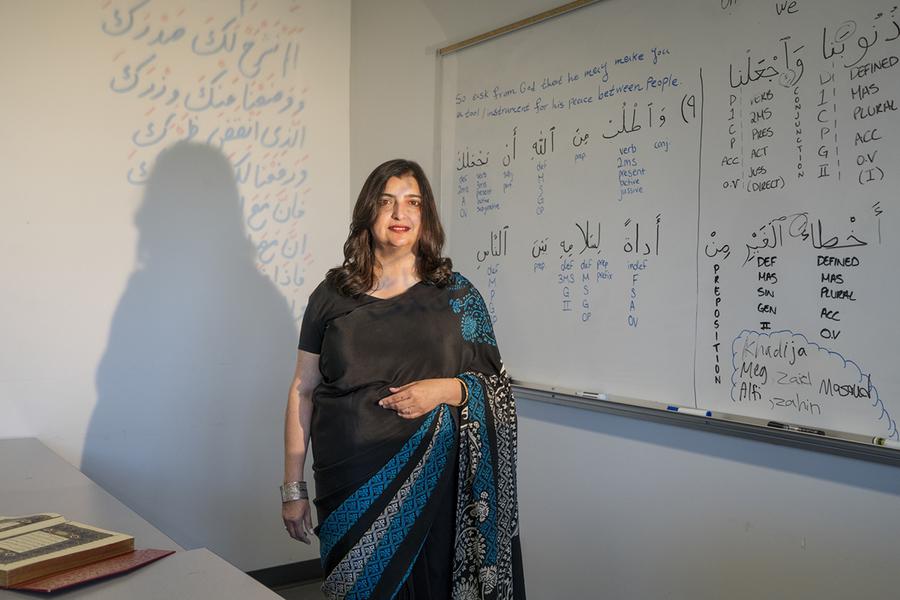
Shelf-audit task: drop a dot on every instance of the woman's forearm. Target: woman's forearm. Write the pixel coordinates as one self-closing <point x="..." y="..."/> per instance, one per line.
<point x="298" y="414"/>
<point x="296" y="433"/>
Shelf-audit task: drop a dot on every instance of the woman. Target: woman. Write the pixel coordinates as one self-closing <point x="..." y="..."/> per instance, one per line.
<point x="400" y="385"/>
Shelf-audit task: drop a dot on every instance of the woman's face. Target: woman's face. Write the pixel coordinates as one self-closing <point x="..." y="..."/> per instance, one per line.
<point x="399" y="215"/>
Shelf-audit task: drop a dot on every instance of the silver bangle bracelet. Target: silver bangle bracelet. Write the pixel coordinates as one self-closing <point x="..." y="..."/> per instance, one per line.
<point x="294" y="490"/>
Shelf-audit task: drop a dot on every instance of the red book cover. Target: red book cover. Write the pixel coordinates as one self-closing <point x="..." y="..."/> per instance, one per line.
<point x="92" y="572"/>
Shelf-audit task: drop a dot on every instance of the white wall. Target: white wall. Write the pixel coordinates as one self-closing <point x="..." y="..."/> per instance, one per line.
<point x="146" y="338"/>
<point x="613" y="507"/>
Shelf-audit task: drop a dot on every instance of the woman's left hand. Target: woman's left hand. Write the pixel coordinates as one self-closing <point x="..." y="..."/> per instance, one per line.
<point x="420" y="397"/>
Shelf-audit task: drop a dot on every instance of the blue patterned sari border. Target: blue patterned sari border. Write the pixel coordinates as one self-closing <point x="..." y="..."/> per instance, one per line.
<point x="339" y="522"/>
<point x="360" y="571"/>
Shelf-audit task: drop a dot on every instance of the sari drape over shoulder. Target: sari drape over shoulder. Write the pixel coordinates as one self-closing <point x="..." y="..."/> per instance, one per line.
<point x="385" y="485"/>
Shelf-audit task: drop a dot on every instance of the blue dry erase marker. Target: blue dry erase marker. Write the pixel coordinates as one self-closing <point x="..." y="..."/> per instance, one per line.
<point x="697" y="412"/>
<point x="594" y="395"/>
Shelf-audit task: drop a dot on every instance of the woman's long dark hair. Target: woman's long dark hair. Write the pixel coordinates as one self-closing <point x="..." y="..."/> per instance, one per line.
<point x="357" y="274"/>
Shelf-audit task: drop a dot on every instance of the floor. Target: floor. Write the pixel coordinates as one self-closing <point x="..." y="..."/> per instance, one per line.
<point x="306" y="591"/>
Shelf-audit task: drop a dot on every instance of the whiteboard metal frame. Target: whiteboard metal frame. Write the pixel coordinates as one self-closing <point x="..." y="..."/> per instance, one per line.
<point x="527" y="22"/>
<point x="833" y="442"/>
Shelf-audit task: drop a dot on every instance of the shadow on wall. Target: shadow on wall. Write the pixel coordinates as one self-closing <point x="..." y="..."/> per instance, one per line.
<point x="187" y="427"/>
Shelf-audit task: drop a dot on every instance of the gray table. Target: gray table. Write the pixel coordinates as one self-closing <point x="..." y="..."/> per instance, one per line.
<point x="33" y="479"/>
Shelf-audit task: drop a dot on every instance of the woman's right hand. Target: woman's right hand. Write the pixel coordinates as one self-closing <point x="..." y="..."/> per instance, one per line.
<point x="297" y="519"/>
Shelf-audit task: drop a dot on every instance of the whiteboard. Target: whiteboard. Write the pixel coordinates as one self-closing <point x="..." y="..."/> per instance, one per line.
<point x="691" y="203"/>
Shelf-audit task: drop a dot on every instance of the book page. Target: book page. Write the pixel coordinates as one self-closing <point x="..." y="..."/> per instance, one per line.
<point x="53" y="541"/>
<point x="36" y="540"/>
<point x="11" y="526"/>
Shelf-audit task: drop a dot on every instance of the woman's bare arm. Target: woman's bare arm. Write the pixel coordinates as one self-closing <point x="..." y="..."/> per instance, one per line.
<point x="297" y="416"/>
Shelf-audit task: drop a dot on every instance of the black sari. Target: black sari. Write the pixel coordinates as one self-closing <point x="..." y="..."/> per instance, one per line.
<point x="421" y="508"/>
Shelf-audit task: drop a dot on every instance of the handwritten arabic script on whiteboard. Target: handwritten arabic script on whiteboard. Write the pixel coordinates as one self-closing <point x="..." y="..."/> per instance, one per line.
<point x="689" y="203"/>
<point x="230" y="79"/>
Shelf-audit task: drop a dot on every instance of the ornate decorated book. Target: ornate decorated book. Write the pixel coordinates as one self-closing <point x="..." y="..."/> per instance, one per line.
<point x="36" y="545"/>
